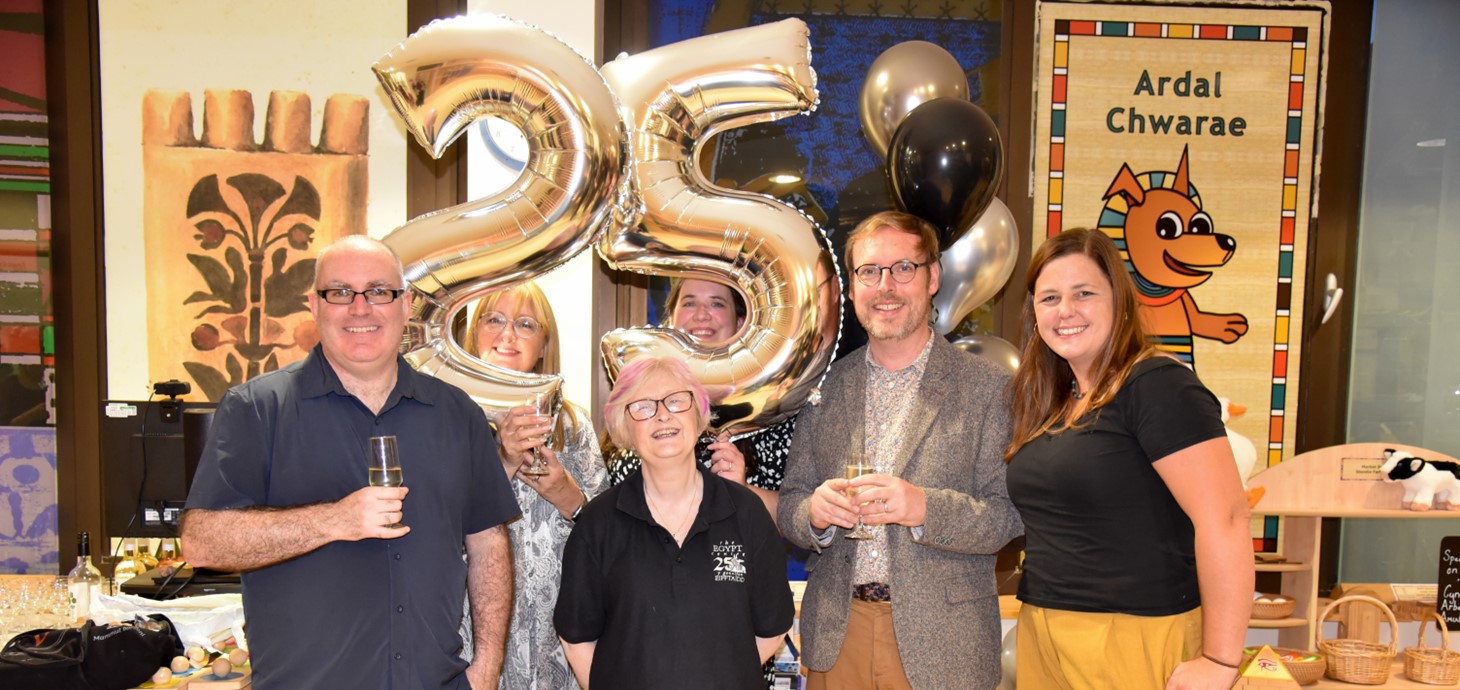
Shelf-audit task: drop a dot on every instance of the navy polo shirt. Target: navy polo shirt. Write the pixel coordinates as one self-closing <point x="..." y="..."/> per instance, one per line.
<point x="375" y="613"/>
<point x="670" y="617"/>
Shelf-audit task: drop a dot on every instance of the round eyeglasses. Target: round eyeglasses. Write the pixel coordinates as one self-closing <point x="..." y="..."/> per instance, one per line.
<point x="677" y="402"/>
<point x="375" y="295"/>
<point x="902" y="272"/>
<point x="495" y="322"/>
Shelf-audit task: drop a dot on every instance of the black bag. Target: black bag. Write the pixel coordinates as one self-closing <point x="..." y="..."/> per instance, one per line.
<point x="91" y="657"/>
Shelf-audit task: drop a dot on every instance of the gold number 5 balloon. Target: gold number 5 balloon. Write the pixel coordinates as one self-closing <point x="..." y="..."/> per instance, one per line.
<point x="673" y="99"/>
<point x="442" y="79"/>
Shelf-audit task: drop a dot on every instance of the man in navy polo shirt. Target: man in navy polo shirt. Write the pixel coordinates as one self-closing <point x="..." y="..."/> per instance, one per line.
<point x="335" y="594"/>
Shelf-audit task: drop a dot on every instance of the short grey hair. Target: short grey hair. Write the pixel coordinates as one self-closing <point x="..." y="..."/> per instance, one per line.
<point x="360" y="242"/>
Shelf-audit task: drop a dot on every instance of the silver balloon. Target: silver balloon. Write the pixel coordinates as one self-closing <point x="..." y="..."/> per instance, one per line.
<point x="1008" y="658"/>
<point x="976" y="267"/>
<point x="443" y="78"/>
<point x="674" y="99"/>
<point x="992" y="348"/>
<point x="902" y="78"/>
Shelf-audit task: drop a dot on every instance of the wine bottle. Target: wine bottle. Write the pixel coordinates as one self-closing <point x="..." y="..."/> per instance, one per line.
<point x="167" y="553"/>
<point x="84" y="581"/>
<point x="148" y="559"/>
<point x="129" y="567"/>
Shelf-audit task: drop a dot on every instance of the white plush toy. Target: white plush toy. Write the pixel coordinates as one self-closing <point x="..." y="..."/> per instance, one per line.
<point x="1242" y="449"/>
<point x="1426" y="482"/>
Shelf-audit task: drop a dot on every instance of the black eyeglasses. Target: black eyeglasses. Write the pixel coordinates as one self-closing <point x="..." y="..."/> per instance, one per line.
<point x="902" y="272"/>
<point x="677" y="402"/>
<point x="375" y="295"/>
<point x="495" y="322"/>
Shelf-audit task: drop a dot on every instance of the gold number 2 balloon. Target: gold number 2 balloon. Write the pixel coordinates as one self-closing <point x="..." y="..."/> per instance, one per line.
<point x="674" y="98"/>
<point x="442" y="79"/>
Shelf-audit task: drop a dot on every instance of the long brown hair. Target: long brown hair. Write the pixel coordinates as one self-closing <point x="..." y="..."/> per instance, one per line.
<point x="527" y="293"/>
<point x="1041" y="392"/>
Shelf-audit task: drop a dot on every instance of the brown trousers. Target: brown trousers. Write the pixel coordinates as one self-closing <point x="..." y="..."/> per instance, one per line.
<point x="868" y="660"/>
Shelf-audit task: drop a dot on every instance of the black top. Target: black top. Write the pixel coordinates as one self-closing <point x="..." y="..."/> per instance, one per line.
<point x="672" y="617"/>
<point x="371" y="613"/>
<point x="1102" y="531"/>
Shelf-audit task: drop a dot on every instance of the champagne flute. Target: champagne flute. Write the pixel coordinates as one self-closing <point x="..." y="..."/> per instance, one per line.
<point x="384" y="459"/>
<point x="541" y="403"/>
<point x="857" y="466"/>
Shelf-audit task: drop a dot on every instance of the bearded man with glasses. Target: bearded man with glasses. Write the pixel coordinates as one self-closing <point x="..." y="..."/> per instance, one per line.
<point x="914" y="605"/>
<point x="346" y="585"/>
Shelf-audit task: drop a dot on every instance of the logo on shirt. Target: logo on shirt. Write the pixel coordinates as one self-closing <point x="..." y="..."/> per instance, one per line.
<point x="729" y="561"/>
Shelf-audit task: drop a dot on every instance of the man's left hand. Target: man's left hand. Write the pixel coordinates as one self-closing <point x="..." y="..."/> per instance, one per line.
<point x="480" y="677"/>
<point x="888" y="500"/>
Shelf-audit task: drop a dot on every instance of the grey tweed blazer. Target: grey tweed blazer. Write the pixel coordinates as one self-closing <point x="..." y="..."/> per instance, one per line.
<point x="945" y="606"/>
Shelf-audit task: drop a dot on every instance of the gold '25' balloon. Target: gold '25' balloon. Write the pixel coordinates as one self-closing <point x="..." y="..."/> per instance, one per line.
<point x="674" y="98"/>
<point x="441" y="79"/>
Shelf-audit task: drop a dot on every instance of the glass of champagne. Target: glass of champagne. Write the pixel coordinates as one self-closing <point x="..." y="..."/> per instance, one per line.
<point x="857" y="466"/>
<point x="384" y="458"/>
<point x="541" y="403"/>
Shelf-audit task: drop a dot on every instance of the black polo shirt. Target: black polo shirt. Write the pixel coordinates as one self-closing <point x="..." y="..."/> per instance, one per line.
<point x="672" y="617"/>
<point x="375" y="613"/>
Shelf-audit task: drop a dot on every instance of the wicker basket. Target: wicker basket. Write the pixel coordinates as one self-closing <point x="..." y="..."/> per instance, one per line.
<point x="1281" y="607"/>
<point x="1357" y="661"/>
<point x="1433" y="666"/>
<point x="1305" y="672"/>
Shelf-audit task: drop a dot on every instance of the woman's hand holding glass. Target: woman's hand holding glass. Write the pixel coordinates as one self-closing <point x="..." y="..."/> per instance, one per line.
<point x="555" y="484"/>
<point x="522" y="430"/>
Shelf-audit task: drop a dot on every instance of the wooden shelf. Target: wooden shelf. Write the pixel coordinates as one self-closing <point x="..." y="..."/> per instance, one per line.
<point x="1337" y="481"/>
<point x="1268" y="623"/>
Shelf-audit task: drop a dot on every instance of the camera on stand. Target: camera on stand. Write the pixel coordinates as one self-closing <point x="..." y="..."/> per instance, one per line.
<point x="173" y="389"/>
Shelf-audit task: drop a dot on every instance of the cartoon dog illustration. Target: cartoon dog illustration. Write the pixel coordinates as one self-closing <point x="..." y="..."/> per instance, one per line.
<point x="1170" y="246"/>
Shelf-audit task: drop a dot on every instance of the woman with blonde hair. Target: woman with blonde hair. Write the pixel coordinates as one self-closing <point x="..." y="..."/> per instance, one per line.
<point x="515" y="329"/>
<point x="1138" y="561"/>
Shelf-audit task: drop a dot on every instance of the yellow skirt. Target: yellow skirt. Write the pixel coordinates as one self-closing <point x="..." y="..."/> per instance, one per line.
<point x="1073" y="650"/>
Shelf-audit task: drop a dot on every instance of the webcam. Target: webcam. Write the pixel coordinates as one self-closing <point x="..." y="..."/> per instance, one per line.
<point x="172" y="388"/>
<point x="171" y="409"/>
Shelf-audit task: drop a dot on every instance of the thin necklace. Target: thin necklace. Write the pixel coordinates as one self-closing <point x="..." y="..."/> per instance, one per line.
<point x="688" y="513"/>
<point x="1075" y="390"/>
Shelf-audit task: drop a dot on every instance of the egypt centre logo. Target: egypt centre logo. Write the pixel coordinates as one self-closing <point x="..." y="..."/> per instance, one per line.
<point x="729" y="561"/>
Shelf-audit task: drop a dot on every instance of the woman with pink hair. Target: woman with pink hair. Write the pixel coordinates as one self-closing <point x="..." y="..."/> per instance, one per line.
<point x="675" y="577"/>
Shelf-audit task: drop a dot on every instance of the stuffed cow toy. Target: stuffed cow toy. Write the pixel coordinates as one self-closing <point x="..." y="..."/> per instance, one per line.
<point x="1426" y="482"/>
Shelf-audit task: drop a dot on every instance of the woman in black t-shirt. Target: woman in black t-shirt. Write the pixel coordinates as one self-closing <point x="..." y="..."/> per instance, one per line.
<point x="1138" y="563"/>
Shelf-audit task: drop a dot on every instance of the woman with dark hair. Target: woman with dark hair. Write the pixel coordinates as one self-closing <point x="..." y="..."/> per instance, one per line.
<point x="1138" y="559"/>
<point x="515" y="329"/>
<point x="674" y="578"/>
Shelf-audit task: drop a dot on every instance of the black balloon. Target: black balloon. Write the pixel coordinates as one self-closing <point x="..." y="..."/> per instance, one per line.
<point x="945" y="162"/>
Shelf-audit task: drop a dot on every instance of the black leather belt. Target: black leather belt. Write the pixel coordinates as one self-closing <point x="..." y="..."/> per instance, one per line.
<point x="875" y="592"/>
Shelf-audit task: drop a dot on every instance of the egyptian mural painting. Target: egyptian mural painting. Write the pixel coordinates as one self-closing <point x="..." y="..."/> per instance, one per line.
<point x="232" y="227"/>
<point x="28" y="512"/>
<point x="1189" y="135"/>
<point x="842" y="178"/>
